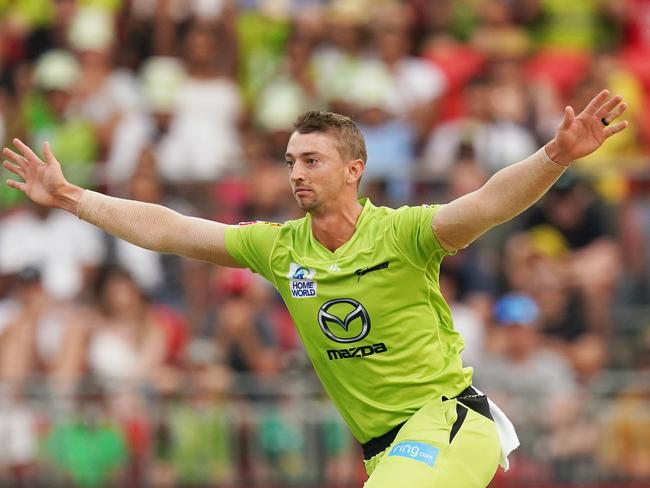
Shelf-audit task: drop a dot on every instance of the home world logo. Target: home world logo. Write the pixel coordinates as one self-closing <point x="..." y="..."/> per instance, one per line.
<point x="301" y="281"/>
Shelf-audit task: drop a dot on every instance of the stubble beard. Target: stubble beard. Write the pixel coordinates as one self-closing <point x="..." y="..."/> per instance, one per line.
<point x="307" y="205"/>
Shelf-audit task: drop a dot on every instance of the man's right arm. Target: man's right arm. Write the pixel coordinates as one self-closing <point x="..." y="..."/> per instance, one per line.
<point x="156" y="227"/>
<point x="144" y="224"/>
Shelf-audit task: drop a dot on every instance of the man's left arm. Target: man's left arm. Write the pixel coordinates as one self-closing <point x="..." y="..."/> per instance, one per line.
<point x="515" y="188"/>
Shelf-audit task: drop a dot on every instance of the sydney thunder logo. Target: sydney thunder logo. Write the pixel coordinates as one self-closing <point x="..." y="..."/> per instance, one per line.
<point x="339" y="318"/>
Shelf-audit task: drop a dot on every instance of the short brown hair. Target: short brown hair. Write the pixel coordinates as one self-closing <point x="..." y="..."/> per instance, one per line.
<point x="351" y="144"/>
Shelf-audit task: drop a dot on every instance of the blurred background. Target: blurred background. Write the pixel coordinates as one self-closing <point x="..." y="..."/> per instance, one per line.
<point x="121" y="367"/>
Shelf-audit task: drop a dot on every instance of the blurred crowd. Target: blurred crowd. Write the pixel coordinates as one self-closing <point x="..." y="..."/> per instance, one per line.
<point x="119" y="363"/>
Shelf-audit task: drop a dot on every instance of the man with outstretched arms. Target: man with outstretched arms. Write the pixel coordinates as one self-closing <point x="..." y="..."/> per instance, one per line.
<point x="361" y="283"/>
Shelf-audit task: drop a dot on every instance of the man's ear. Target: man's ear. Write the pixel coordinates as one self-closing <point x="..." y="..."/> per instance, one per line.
<point x="355" y="170"/>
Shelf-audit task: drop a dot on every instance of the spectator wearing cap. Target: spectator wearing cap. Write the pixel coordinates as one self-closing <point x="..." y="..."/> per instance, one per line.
<point x="50" y="114"/>
<point x="573" y="215"/>
<point x="522" y="372"/>
<point x="536" y="383"/>
<point x="107" y="95"/>
<point x="534" y="263"/>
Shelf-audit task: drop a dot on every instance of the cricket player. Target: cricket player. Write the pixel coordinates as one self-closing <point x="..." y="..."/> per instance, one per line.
<point x="361" y="283"/>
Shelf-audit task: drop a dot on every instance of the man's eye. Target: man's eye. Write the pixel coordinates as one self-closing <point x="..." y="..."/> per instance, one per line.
<point x="289" y="163"/>
<point x="312" y="161"/>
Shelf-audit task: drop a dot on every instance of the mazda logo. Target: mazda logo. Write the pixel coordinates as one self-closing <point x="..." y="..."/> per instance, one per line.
<point x="328" y="317"/>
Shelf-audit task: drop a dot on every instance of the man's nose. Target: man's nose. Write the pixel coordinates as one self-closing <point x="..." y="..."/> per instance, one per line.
<point x="297" y="172"/>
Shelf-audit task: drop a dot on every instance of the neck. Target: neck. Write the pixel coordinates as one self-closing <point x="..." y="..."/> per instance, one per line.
<point x="336" y="226"/>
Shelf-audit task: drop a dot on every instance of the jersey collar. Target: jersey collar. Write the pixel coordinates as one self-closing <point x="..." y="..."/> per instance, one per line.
<point x="363" y="217"/>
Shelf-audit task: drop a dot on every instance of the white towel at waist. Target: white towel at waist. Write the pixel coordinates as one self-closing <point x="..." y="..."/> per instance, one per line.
<point x="507" y="434"/>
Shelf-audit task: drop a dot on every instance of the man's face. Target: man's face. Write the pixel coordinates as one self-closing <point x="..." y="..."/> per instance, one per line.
<point x="316" y="169"/>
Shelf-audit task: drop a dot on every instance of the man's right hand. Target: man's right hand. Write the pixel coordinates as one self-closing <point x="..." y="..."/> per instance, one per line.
<point x="153" y="227"/>
<point x="44" y="182"/>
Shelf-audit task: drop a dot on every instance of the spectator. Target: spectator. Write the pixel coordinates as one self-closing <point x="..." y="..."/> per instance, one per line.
<point x="610" y="162"/>
<point x="106" y="95"/>
<point x="280" y="446"/>
<point x="243" y="335"/>
<point x="567" y="32"/>
<point x="496" y="139"/>
<point x="267" y="190"/>
<point x="390" y="143"/>
<point x="396" y="104"/>
<point x="497" y="35"/>
<point x="88" y="449"/>
<point x="41" y="337"/>
<point x="261" y="36"/>
<point x="574" y="26"/>
<point x="203" y="132"/>
<point x="161" y="79"/>
<point x="634" y="22"/>
<point x="473" y="269"/>
<point x="443" y="51"/>
<point x="128" y="346"/>
<point x="146" y="267"/>
<point x="201" y="446"/>
<point x="290" y="91"/>
<point x="54" y="34"/>
<point x="50" y="115"/>
<point x="627" y="425"/>
<point x="416" y="85"/>
<point x="341" y="61"/>
<point x="66" y="250"/>
<point x="523" y="374"/>
<point x="574" y="214"/>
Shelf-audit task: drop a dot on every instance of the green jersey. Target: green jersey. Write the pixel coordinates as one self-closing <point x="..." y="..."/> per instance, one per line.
<point x="370" y="314"/>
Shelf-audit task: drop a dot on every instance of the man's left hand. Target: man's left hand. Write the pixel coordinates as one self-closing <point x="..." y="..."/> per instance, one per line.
<point x="578" y="136"/>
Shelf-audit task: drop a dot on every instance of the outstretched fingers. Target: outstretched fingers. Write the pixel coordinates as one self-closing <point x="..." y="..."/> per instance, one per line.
<point x="606" y="111"/>
<point x="27" y="152"/>
<point x="596" y="103"/>
<point x="613" y="129"/>
<point x="49" y="156"/>
<point x="609" y="106"/>
<point x="15" y="157"/>
<point x="609" y="117"/>
<point x="18" y="185"/>
<point x="14" y="168"/>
